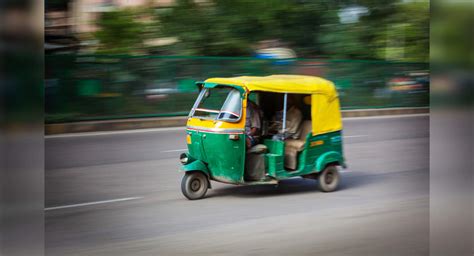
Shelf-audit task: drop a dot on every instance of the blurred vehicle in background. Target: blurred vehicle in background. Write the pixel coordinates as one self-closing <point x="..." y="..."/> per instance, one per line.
<point x="161" y="89"/>
<point x="275" y="50"/>
<point x="410" y="82"/>
<point x="157" y="90"/>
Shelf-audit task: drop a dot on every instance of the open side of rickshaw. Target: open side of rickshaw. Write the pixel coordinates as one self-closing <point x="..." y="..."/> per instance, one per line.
<point x="216" y="137"/>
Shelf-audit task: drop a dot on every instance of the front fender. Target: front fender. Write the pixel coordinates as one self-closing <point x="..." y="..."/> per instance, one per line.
<point x="196" y="165"/>
<point x="328" y="157"/>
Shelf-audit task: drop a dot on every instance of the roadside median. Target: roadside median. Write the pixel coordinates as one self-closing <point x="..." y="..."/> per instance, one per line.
<point x="159" y="122"/>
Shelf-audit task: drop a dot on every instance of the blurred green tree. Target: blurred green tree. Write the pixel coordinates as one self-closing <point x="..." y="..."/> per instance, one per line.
<point x="119" y="32"/>
<point x="233" y="28"/>
<point x="406" y="36"/>
<point x="391" y="30"/>
<point x="394" y="30"/>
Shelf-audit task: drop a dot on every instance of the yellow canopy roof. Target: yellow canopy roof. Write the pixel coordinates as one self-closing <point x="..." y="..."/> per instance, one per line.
<point x="325" y="109"/>
<point x="280" y="83"/>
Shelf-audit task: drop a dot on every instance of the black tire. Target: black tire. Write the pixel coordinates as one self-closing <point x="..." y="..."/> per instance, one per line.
<point x="329" y="179"/>
<point x="194" y="185"/>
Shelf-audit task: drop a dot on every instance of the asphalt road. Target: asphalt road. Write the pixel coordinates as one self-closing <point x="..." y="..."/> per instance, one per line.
<point x="119" y="194"/>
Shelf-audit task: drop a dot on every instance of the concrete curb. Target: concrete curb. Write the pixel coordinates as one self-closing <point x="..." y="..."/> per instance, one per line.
<point x="143" y="123"/>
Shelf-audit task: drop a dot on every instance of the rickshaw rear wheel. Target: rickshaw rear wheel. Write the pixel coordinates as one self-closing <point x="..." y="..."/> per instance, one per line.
<point x="329" y="179"/>
<point x="194" y="185"/>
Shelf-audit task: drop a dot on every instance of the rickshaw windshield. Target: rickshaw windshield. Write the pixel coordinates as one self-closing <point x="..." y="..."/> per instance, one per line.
<point x="220" y="103"/>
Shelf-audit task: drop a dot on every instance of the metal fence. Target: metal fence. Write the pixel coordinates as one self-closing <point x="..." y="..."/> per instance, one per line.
<point x="95" y="87"/>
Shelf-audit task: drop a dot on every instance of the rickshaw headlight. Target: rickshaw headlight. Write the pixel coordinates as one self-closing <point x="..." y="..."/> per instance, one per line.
<point x="183" y="158"/>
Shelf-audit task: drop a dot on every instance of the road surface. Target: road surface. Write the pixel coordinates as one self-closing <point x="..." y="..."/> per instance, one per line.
<point x="119" y="194"/>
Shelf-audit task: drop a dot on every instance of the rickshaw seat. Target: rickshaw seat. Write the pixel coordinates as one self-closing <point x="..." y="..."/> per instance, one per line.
<point x="293" y="146"/>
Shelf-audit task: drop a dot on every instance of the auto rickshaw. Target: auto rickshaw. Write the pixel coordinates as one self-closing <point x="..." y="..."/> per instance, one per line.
<point x="216" y="133"/>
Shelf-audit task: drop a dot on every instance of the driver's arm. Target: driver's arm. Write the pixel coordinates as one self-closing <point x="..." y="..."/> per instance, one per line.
<point x="253" y="131"/>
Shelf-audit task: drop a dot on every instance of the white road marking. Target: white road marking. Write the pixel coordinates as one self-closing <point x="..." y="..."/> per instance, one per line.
<point x="164" y="129"/>
<point x="92" y="203"/>
<point x="174" y="150"/>
<point x="354" y="136"/>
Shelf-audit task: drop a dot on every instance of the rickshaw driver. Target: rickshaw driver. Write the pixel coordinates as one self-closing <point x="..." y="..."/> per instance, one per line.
<point x="252" y="124"/>
<point x="254" y="160"/>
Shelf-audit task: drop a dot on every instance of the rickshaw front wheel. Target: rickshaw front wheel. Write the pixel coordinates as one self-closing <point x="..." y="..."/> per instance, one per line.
<point x="194" y="185"/>
<point x="329" y="179"/>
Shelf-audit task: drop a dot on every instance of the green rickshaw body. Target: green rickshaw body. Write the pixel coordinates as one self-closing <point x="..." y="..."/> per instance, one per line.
<point x="224" y="159"/>
<point x="319" y="151"/>
<point x="217" y="148"/>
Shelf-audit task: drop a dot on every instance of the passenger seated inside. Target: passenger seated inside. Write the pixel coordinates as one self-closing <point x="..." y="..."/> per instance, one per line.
<point x="294" y="146"/>
<point x="293" y="121"/>
<point x="295" y="131"/>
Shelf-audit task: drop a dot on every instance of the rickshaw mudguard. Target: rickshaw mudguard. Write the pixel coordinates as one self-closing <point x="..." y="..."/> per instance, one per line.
<point x="196" y="165"/>
<point x="327" y="158"/>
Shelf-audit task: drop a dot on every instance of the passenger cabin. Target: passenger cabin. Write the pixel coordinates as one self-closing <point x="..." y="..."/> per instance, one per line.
<point x="298" y="129"/>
